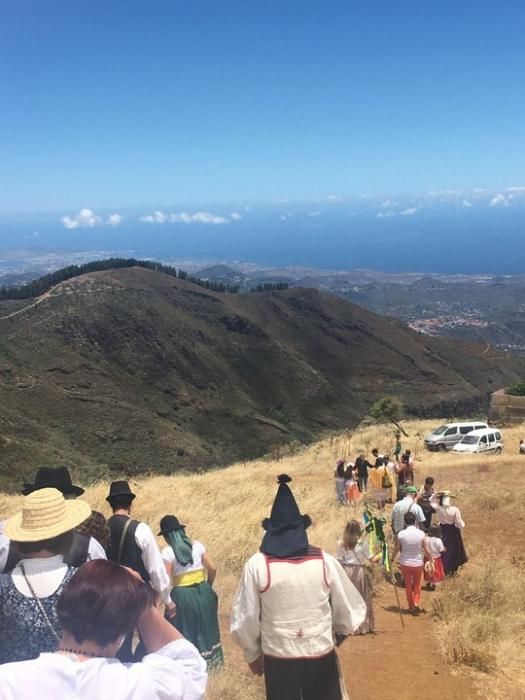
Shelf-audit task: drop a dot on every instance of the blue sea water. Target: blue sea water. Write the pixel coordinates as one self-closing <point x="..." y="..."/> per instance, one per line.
<point x="448" y="241"/>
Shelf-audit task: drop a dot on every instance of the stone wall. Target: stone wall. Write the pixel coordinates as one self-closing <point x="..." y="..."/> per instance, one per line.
<point x="505" y="408"/>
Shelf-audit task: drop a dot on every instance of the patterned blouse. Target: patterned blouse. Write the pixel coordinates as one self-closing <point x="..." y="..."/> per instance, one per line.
<point x="25" y="632"/>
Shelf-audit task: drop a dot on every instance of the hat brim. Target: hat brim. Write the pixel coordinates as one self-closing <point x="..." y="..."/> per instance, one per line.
<point x="66" y="491"/>
<point x="285" y="544"/>
<point x="118" y="495"/>
<point x="76" y="513"/>
<point x="171" y="529"/>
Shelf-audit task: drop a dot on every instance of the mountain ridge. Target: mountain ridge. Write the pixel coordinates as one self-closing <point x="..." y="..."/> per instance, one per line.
<point x="133" y="371"/>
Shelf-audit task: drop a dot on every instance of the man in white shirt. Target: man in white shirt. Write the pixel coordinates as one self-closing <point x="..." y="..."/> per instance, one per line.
<point x="292" y="600"/>
<point x="133" y="544"/>
<point x="408" y="504"/>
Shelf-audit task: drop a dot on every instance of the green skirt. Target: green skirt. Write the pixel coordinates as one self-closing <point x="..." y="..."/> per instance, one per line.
<point x="197" y="619"/>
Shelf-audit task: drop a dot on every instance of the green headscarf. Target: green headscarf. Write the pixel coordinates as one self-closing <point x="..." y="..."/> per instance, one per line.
<point x="181" y="545"/>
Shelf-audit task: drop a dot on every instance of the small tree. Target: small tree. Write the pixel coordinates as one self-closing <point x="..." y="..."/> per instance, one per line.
<point x="389" y="409"/>
<point x="517" y="389"/>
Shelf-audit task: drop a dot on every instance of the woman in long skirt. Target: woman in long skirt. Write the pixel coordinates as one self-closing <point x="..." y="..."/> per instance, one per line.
<point x="192" y="574"/>
<point x="451" y="524"/>
<point x="339" y="475"/>
<point x="354" y="556"/>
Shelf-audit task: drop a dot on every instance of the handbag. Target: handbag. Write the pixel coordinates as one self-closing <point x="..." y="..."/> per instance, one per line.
<point x="386" y="482"/>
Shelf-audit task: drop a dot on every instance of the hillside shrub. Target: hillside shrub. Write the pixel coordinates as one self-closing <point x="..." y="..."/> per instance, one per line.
<point x="517" y="389"/>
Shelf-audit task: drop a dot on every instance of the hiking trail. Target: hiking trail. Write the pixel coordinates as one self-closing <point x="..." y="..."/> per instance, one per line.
<point x="399" y="664"/>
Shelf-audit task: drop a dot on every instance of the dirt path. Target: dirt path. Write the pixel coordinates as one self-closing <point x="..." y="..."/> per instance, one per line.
<point x="374" y="665"/>
<point x="37" y="301"/>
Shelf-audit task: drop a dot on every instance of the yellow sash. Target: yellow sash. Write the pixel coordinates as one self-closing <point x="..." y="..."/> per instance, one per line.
<point x="189" y="579"/>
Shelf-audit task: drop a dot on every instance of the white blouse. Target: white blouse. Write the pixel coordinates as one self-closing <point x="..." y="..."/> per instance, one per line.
<point x="44" y="574"/>
<point x="447" y="515"/>
<point x="198" y="551"/>
<point x="359" y="555"/>
<point x="175" y="672"/>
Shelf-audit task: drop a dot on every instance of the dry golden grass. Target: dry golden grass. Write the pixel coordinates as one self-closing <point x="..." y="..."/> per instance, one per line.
<point x="481" y="613"/>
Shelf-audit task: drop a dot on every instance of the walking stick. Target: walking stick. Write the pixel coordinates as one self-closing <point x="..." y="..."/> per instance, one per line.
<point x="375" y="525"/>
<point x="397" y="599"/>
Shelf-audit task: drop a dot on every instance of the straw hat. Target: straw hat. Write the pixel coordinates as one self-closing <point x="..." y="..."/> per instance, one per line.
<point x="446" y="492"/>
<point x="46" y="514"/>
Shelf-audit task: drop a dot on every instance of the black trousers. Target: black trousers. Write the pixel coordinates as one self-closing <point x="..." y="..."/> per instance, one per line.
<point x="302" y="679"/>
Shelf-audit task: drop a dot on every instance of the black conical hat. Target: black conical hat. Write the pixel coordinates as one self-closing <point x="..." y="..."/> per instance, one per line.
<point x="285" y="509"/>
<point x="286" y="527"/>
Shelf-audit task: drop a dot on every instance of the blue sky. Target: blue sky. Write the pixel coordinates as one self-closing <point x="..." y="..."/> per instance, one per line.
<point x="168" y="104"/>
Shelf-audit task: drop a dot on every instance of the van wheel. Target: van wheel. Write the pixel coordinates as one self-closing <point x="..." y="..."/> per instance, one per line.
<point x="442" y="448"/>
<point x="498" y="450"/>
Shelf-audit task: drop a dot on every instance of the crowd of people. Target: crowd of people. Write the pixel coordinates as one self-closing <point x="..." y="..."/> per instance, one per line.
<point x="428" y="551"/>
<point x="89" y="603"/>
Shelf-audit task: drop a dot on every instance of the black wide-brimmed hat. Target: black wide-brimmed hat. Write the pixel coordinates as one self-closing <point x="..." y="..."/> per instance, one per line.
<point x="119" y="488"/>
<point x="286" y="527"/>
<point x="57" y="478"/>
<point x="170" y="523"/>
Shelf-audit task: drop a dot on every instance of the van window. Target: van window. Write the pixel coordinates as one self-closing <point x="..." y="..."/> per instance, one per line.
<point x="440" y="430"/>
<point x="479" y="427"/>
<point x="498" y="436"/>
<point x="483" y="440"/>
<point x="470" y="440"/>
<point x="491" y="437"/>
<point x="466" y="429"/>
<point x="451" y="431"/>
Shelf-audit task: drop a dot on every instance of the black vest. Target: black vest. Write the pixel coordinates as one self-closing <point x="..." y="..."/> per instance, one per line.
<point x="131" y="553"/>
<point x="76" y="555"/>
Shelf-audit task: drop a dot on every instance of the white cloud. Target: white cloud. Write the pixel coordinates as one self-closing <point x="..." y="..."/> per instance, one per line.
<point x="314" y="213"/>
<point x="500" y="200"/>
<point x="385" y="214"/>
<point x="333" y="198"/>
<point x="387" y="203"/>
<point x="410" y="211"/>
<point x="86" y="218"/>
<point x="200" y="217"/>
<point x="114" y="219"/>
<point x="516" y="189"/>
<point x="466" y="203"/>
<point x="235" y="216"/>
<point x="158" y="217"/>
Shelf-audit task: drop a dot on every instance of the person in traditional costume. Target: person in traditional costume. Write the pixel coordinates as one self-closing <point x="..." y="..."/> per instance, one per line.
<point x="133" y="544"/>
<point x="101" y="604"/>
<point x="434" y="572"/>
<point x="352" y="492"/>
<point x="339" y="476"/>
<point x="192" y="574"/>
<point x="42" y="531"/>
<point x="353" y="553"/>
<point x="451" y="524"/>
<point x="293" y="600"/>
<point x="83" y="545"/>
<point x="381" y="480"/>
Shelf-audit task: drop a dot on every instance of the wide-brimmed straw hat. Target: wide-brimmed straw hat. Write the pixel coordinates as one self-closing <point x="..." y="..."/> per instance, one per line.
<point x="446" y="492"/>
<point x="45" y="514"/>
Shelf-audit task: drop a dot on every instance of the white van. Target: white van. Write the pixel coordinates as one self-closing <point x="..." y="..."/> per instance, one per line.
<point x="448" y="435"/>
<point x="485" y="440"/>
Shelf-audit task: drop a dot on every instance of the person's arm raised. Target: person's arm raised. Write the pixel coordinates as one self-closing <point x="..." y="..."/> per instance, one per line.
<point x="155" y="631"/>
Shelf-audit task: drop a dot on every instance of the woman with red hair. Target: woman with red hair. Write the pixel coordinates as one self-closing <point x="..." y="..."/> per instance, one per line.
<point x="101" y="604"/>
